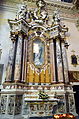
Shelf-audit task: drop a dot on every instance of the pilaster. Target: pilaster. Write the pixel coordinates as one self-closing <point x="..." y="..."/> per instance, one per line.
<point x="11" y="59"/>
<point x="65" y="62"/>
<point x="59" y="61"/>
<point x="52" y="62"/>
<point x="17" y="71"/>
<point x="11" y="102"/>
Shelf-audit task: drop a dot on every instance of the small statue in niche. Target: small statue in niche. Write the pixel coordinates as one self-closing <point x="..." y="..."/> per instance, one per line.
<point x="74" y="60"/>
<point x="22" y="12"/>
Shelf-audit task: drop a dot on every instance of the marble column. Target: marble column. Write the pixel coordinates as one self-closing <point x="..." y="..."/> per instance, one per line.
<point x="17" y="71"/>
<point x="24" y="66"/>
<point x="10" y="62"/>
<point x="59" y="61"/>
<point x="65" y="62"/>
<point x="52" y="62"/>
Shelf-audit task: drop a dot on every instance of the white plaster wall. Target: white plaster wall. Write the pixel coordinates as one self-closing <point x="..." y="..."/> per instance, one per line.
<point x="5" y="37"/>
<point x="73" y="40"/>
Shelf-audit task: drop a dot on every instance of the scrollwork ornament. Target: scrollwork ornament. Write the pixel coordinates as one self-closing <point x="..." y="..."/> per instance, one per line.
<point x="13" y="37"/>
<point x="39" y="16"/>
<point x="22" y="12"/>
<point x="76" y="75"/>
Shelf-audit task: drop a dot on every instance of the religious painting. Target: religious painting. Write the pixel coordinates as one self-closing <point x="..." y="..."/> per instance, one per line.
<point x="38" y="52"/>
<point x="74" y="60"/>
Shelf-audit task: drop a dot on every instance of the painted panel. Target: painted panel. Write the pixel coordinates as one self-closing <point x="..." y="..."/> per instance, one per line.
<point x="38" y="52"/>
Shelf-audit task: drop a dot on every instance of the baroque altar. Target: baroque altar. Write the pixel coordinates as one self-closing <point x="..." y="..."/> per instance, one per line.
<point x="37" y="62"/>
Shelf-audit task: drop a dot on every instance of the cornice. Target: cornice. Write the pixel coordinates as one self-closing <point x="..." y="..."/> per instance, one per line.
<point x="67" y="10"/>
<point x="60" y="4"/>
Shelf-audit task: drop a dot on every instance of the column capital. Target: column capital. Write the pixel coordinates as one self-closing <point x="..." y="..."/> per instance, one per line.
<point x="13" y="37"/>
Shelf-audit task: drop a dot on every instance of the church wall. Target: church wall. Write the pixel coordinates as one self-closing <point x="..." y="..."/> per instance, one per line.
<point x="5" y="42"/>
<point x="73" y="41"/>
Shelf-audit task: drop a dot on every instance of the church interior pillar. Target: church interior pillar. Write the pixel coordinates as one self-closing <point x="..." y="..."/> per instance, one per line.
<point x="52" y="62"/>
<point x="65" y="62"/>
<point x="59" y="61"/>
<point x="11" y="61"/>
<point x="24" y="66"/>
<point x="17" y="72"/>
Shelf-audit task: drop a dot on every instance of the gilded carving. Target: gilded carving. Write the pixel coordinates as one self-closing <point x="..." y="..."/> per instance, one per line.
<point x="38" y="77"/>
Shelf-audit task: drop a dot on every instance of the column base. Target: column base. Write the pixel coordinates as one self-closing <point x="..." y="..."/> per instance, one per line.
<point x="16" y="100"/>
<point x="11" y="102"/>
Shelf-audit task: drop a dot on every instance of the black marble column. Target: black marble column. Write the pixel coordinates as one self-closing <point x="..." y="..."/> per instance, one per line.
<point x="55" y="59"/>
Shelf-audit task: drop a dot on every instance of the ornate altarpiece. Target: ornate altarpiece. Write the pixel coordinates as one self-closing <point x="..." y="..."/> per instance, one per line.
<point x="37" y="62"/>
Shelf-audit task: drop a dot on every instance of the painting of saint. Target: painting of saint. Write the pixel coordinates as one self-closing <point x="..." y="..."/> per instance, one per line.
<point x="74" y="60"/>
<point x="38" y="52"/>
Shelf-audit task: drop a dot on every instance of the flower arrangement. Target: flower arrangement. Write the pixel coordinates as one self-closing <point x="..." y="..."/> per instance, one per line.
<point x="64" y="116"/>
